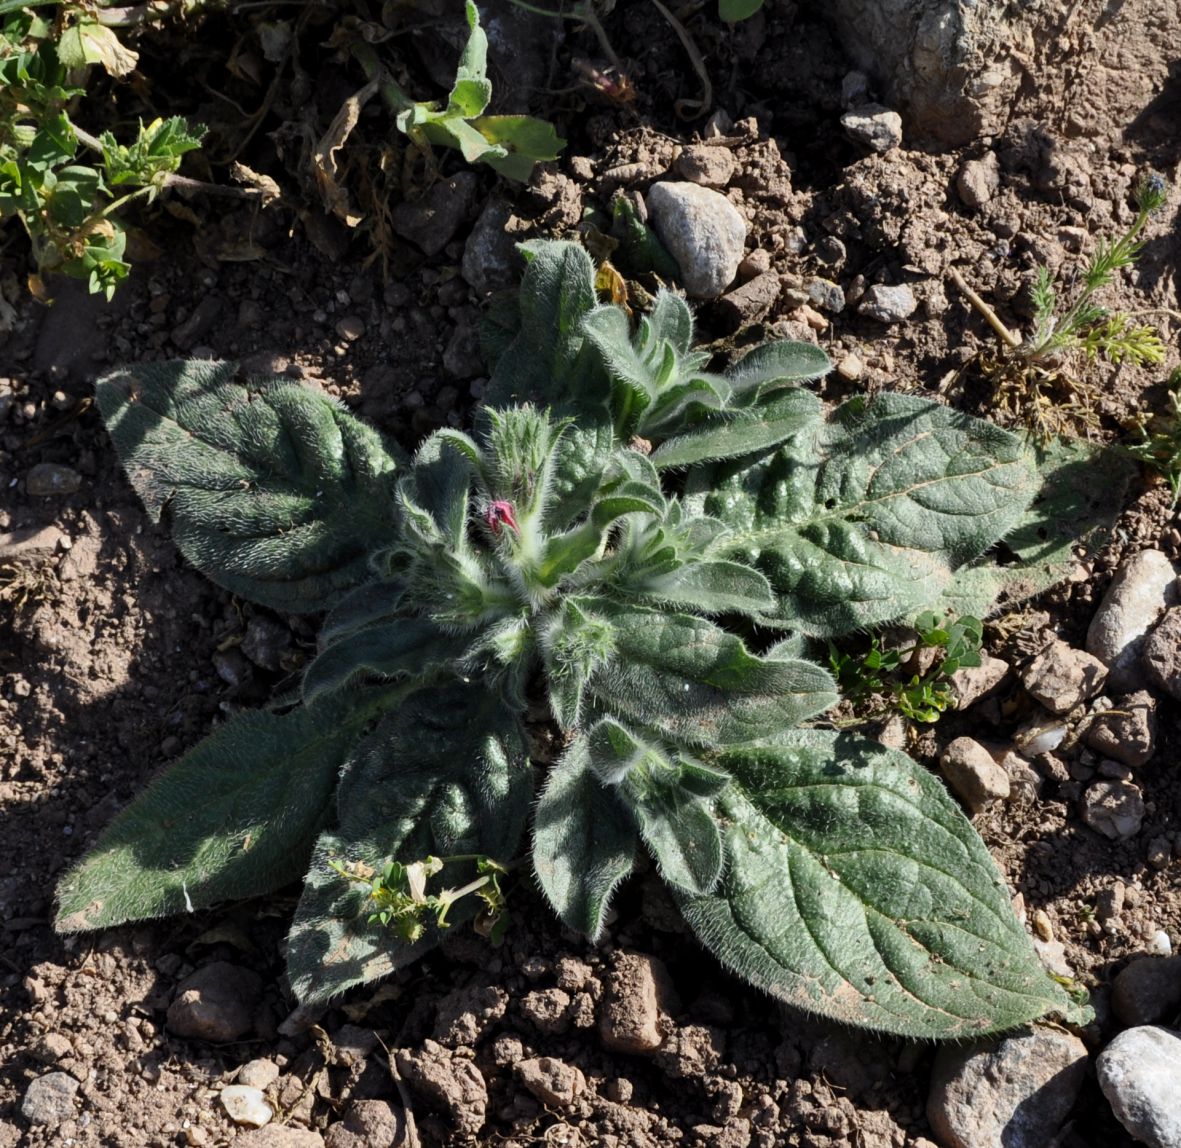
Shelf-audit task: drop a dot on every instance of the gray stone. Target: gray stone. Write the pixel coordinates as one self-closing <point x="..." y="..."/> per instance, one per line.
<point x="1129" y="734"/>
<point x="710" y="165"/>
<point x="973" y="774"/>
<point x="368" y="1124"/>
<point x="1061" y="677"/>
<point x="463" y="357"/>
<point x="1147" y="990"/>
<point x="1140" y="1074"/>
<point x="51" y="478"/>
<point x="217" y="1003"/>
<point x="50" y="1099"/>
<point x="749" y="302"/>
<point x="1113" y="808"/>
<point x="451" y="1084"/>
<point x="1013" y="1092"/>
<point x="979" y="180"/>
<point x="490" y="254"/>
<point x="703" y="232"/>
<point x="873" y="126"/>
<point x="430" y="223"/>
<point x="199" y="323"/>
<point x="265" y="642"/>
<point x="1162" y="654"/>
<point x="888" y="304"/>
<point x="258" y="1073"/>
<point x="552" y="1081"/>
<point x="1142" y="588"/>
<point x="629" y="1020"/>
<point x="975" y="683"/>
<point x="827" y="295"/>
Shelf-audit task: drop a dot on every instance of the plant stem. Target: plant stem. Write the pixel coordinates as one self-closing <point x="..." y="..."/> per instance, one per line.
<point x="1007" y="337"/>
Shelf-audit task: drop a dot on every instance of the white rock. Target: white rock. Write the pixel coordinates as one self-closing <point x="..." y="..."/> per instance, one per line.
<point x="888" y="304"/>
<point x="1039" y="735"/>
<point x="1141" y="589"/>
<point x="1160" y="944"/>
<point x="1114" y="808"/>
<point x="1140" y="1074"/>
<point x="246" y="1105"/>
<point x="878" y="128"/>
<point x="703" y="232"/>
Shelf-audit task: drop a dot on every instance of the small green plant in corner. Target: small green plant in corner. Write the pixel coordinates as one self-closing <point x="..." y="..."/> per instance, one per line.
<point x="1030" y="376"/>
<point x="922" y="695"/>
<point x="640" y="547"/>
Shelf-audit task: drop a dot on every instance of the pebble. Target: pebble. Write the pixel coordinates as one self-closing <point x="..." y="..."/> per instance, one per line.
<point x="351" y="327"/>
<point x="217" y="1003"/>
<point x="1160" y="944"/>
<point x="30" y="541"/>
<point x="1113" y="808"/>
<point x="279" y="1136"/>
<point x="1146" y="990"/>
<point x="265" y="642"/>
<point x="706" y="164"/>
<point x="878" y="128"/>
<point x="258" y="1073"/>
<point x="198" y="324"/>
<point x="1140" y="1074"/>
<point x="750" y="302"/>
<point x="703" y="232"/>
<point x="1039" y="735"/>
<point x="1162" y="654"/>
<point x="49" y="1099"/>
<point x="430" y="223"/>
<point x="979" y="180"/>
<point x="450" y="1083"/>
<point x="1013" y="1092"/>
<point x="368" y="1124"/>
<point x="854" y="89"/>
<point x="1061" y="677"/>
<point x="826" y="295"/>
<point x="973" y="774"/>
<point x="51" y="478"/>
<point x="888" y="304"/>
<point x="755" y="263"/>
<point x="975" y="683"/>
<point x="246" y="1105"/>
<point x="552" y="1081"/>
<point x="489" y="255"/>
<point x="850" y="368"/>
<point x="1137" y="596"/>
<point x="629" y="1020"/>
<point x="1128" y="735"/>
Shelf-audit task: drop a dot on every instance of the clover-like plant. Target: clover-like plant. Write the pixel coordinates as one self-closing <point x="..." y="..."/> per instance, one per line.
<point x="638" y="547"/>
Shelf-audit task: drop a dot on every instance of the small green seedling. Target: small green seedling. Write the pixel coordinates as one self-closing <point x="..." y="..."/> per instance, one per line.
<point x="636" y="546"/>
<point x="924" y="696"/>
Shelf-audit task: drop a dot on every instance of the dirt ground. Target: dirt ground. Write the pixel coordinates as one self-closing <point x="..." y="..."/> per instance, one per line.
<point x="115" y="656"/>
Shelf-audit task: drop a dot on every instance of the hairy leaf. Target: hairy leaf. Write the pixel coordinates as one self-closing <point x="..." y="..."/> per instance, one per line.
<point x="688" y="679"/>
<point x="864" y="519"/>
<point x="445" y="774"/>
<point x="235" y="817"/>
<point x="273" y="491"/>
<point x="711" y="588"/>
<point x="776" y="365"/>
<point x="584" y="842"/>
<point x="856" y="889"/>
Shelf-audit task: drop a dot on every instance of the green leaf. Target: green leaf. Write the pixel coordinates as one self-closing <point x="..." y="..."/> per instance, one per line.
<point x="863" y="520"/>
<point x="93" y="43"/>
<point x="584" y="842"/>
<point x="711" y="588"/>
<point x="745" y="431"/>
<point x="54" y="144"/>
<point x="776" y="365"/>
<point x="235" y="817"/>
<point x="732" y="11"/>
<point x="525" y="140"/>
<point x="471" y="91"/>
<point x="275" y="492"/>
<point x="1081" y="496"/>
<point x="445" y="774"/>
<point x="548" y="361"/>
<point x="694" y="683"/>
<point x="856" y="889"/>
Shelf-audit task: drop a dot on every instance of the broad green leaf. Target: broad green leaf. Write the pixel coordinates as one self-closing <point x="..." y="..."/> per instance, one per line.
<point x="273" y="491"/>
<point x="689" y="680"/>
<point x="711" y="588"/>
<point x="377" y="601"/>
<point x="89" y="42"/>
<point x="1081" y="496"/>
<point x="447" y="773"/>
<point x="575" y="642"/>
<point x="745" y="431"/>
<point x="471" y="91"/>
<point x="864" y="519"/>
<point x="855" y="888"/>
<point x="776" y="365"/>
<point x="732" y="11"/>
<point x="549" y="362"/>
<point x="584" y="842"/>
<point x="407" y="647"/>
<point x="54" y="144"/>
<point x="235" y="817"/>
<point x="525" y="140"/>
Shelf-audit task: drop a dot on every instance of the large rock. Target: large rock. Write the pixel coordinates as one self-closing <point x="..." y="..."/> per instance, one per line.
<point x="1147" y="990"/>
<point x="217" y="1003"/>
<point x="1009" y="1093"/>
<point x="703" y="232"/>
<point x="1140" y="1074"/>
<point x="1141" y="589"/>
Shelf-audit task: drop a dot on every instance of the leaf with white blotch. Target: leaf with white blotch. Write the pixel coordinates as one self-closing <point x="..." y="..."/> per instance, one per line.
<point x="863" y="519"/>
<point x="274" y="491"/>
<point x="742" y="432"/>
<point x="447" y="773"/>
<point x="584" y="842"/>
<point x="688" y="679"/>
<point x="1081" y="496"/>
<point x="235" y="817"/>
<point x="856" y="889"/>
